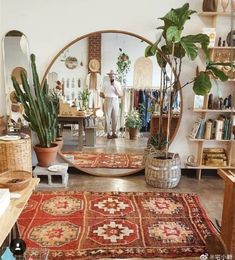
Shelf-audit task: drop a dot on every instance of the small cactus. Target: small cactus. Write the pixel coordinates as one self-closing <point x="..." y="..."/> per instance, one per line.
<point x="39" y="109"/>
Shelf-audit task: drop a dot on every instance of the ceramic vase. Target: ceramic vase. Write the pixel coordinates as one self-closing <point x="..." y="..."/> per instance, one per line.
<point x="209" y="6"/>
<point x="224" y="4"/>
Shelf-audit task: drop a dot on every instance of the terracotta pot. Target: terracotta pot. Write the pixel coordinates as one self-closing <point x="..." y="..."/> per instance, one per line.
<point x="46" y="156"/>
<point x="59" y="141"/>
<point x="133" y="132"/>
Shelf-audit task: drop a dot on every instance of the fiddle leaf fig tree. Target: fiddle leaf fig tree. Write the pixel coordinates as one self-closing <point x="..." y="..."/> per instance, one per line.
<point x="172" y="47"/>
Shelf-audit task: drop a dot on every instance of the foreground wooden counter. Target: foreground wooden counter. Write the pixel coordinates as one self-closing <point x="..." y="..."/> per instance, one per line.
<point x="228" y="217"/>
<point x="10" y="216"/>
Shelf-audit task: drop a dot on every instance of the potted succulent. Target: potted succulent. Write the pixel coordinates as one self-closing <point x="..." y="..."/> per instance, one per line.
<point x="172" y="47"/>
<point x="133" y="122"/>
<point x="40" y="113"/>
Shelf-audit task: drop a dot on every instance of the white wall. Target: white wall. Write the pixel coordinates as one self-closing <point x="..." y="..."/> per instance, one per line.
<point x="50" y="25"/>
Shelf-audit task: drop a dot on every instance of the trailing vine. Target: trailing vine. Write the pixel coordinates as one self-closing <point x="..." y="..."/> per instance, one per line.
<point x="123" y="67"/>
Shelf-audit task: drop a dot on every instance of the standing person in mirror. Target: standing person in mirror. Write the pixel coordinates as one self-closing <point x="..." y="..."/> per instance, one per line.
<point x="111" y="91"/>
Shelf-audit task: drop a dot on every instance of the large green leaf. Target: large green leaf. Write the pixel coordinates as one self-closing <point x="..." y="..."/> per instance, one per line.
<point x="148" y="51"/>
<point x="190" y="49"/>
<point x="218" y="73"/>
<point x="202" y="84"/>
<point x="179" y="51"/>
<point x="173" y="34"/>
<point x="189" y="44"/>
<point x="160" y="60"/>
<point x="177" y="17"/>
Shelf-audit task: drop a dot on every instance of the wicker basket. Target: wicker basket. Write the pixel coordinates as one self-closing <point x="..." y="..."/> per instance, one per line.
<point x="16" y="155"/>
<point x="163" y="173"/>
<point x="15" y="180"/>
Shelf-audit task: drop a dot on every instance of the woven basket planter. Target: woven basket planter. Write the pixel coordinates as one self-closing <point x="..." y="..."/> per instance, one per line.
<point x="16" y="155"/>
<point x="162" y="173"/>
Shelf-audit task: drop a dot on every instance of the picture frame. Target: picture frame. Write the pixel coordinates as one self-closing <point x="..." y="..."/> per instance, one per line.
<point x="211" y="32"/>
<point x="198" y="102"/>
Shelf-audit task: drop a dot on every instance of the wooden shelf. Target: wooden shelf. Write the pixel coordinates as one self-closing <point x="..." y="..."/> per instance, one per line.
<point x="209" y="140"/>
<point x="211" y="14"/>
<point x="222" y="48"/>
<point x="213" y="110"/>
<point x="209" y="167"/>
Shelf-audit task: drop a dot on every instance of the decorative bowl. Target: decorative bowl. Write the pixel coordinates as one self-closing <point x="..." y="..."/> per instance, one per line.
<point x="15" y="180"/>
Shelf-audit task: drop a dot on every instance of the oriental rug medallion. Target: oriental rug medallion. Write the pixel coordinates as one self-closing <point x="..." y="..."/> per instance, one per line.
<point x="90" y="225"/>
<point x="104" y="160"/>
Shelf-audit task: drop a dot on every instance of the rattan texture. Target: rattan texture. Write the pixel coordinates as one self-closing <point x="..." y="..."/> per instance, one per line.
<point x="162" y="173"/>
<point x="16" y="155"/>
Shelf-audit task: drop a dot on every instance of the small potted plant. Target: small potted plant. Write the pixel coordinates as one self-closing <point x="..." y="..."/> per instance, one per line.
<point x="85" y="98"/>
<point x="133" y="123"/>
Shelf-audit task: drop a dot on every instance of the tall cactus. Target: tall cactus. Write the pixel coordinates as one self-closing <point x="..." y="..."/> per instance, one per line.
<point x="39" y="109"/>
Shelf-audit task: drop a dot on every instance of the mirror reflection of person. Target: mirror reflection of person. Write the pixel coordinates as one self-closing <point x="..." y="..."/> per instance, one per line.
<point x="111" y="91"/>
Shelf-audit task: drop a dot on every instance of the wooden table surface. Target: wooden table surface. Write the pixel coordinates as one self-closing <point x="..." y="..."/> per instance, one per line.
<point x="10" y="216"/>
<point x="228" y="216"/>
<point x="75" y="120"/>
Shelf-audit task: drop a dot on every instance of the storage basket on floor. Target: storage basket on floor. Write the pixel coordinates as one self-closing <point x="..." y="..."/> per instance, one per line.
<point x="16" y="155"/>
<point x="162" y="173"/>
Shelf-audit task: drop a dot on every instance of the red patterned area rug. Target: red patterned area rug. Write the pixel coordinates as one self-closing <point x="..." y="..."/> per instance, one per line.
<point x="89" y="225"/>
<point x="104" y="160"/>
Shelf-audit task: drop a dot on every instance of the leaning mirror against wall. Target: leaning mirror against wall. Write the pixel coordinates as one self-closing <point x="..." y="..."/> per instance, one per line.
<point x="16" y="59"/>
<point x="84" y="64"/>
<point x="79" y="72"/>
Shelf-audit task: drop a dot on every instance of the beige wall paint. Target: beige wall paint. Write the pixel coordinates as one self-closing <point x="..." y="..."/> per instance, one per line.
<point x="50" y="25"/>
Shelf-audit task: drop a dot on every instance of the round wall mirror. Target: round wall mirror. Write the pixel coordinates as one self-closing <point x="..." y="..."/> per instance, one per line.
<point x="85" y="65"/>
<point x="16" y="59"/>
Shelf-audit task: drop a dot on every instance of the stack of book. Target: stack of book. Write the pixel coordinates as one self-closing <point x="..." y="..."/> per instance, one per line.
<point x="215" y="157"/>
<point x="219" y="129"/>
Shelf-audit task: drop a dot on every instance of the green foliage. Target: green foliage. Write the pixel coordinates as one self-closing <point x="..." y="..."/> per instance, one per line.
<point x="158" y="141"/>
<point x="172" y="47"/>
<point x="179" y="46"/>
<point x="202" y="84"/>
<point x="133" y="120"/>
<point x="123" y="66"/>
<point x="39" y="109"/>
<point x="85" y="98"/>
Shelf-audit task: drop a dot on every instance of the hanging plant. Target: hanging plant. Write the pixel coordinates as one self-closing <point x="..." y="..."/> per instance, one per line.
<point x="123" y="67"/>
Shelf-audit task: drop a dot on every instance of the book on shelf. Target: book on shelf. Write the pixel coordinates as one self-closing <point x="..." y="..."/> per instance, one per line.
<point x="214" y="157"/>
<point x="218" y="129"/>
<point x="201" y="131"/>
<point x="208" y="129"/>
<point x="195" y="129"/>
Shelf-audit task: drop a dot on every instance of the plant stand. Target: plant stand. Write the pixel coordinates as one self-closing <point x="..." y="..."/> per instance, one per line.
<point x="51" y="177"/>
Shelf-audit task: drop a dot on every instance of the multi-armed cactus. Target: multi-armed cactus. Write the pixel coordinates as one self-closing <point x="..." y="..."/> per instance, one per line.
<point x="39" y="109"/>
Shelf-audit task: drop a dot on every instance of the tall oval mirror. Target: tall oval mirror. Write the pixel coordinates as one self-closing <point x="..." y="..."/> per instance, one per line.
<point x="78" y="75"/>
<point x="16" y="59"/>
